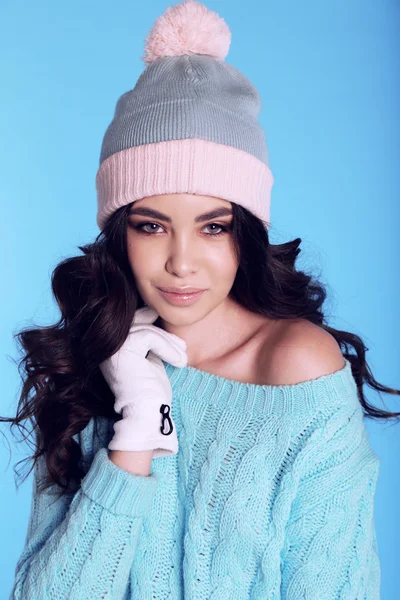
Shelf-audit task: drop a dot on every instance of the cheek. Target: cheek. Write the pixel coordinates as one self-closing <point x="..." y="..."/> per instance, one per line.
<point x="140" y="260"/>
<point x="224" y="264"/>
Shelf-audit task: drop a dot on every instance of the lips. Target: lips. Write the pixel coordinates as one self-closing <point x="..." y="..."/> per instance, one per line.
<point x="185" y="299"/>
<point x="174" y="290"/>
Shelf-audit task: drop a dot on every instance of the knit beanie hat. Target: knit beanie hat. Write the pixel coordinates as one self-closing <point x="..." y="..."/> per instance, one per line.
<point x="190" y="123"/>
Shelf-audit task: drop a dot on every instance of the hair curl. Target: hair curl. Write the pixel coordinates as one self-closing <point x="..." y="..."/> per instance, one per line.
<point x="63" y="387"/>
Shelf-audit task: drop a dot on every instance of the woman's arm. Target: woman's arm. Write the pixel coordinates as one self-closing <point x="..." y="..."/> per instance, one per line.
<point x="137" y="462"/>
<point x="82" y="546"/>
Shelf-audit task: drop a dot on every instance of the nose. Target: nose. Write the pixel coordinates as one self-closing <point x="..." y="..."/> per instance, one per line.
<point x="182" y="255"/>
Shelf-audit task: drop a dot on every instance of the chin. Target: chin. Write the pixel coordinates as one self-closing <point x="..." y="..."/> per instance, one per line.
<point x="177" y="316"/>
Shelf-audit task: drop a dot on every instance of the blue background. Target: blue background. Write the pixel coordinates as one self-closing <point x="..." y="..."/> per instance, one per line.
<point x="328" y="76"/>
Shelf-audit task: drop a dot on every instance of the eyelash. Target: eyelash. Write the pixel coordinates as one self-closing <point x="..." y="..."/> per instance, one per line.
<point x="140" y="226"/>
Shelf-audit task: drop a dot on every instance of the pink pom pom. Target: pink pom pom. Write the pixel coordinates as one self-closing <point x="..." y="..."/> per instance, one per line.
<point x="187" y="28"/>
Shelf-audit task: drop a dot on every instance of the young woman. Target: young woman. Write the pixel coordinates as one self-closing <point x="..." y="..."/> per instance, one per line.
<point x="207" y="445"/>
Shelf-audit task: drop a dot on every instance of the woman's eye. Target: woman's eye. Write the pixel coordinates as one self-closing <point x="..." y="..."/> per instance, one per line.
<point x="141" y="227"/>
<point x="222" y="228"/>
<point x="152" y="228"/>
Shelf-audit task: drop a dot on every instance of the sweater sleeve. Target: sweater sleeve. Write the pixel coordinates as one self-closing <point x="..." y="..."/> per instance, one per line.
<point x="330" y="550"/>
<point x="82" y="545"/>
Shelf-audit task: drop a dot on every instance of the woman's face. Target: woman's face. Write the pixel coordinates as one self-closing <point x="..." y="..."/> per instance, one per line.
<point x="173" y="249"/>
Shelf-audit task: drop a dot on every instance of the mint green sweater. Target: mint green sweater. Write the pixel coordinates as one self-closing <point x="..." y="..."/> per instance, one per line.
<point x="271" y="496"/>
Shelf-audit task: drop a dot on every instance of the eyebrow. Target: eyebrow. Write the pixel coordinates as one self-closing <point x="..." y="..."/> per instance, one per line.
<point x="150" y="212"/>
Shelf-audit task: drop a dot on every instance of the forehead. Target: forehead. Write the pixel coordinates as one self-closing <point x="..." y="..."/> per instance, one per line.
<point x="181" y="206"/>
<point x="188" y="199"/>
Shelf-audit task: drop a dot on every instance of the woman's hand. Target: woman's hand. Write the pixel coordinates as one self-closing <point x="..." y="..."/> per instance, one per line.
<point x="141" y="387"/>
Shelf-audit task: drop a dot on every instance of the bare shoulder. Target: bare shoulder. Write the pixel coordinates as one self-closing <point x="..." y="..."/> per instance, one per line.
<point x="299" y="351"/>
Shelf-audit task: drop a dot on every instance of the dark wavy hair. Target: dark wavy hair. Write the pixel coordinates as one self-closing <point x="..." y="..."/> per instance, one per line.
<point x="63" y="387"/>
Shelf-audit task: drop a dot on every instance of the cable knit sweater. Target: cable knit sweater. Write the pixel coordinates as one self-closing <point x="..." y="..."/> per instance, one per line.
<point x="271" y="496"/>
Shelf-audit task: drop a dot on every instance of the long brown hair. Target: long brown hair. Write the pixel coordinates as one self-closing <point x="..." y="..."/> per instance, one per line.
<point x="63" y="387"/>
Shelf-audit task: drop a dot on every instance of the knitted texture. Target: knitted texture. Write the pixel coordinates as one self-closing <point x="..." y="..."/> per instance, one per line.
<point x="191" y="123"/>
<point x="271" y="496"/>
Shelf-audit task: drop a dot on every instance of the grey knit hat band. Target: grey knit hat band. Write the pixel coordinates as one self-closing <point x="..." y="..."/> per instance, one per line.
<point x="190" y="125"/>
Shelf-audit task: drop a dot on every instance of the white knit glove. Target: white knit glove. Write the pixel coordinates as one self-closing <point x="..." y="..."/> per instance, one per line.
<point x="142" y="390"/>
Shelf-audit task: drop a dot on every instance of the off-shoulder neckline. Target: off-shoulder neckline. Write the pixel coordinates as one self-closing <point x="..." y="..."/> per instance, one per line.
<point x="189" y="380"/>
